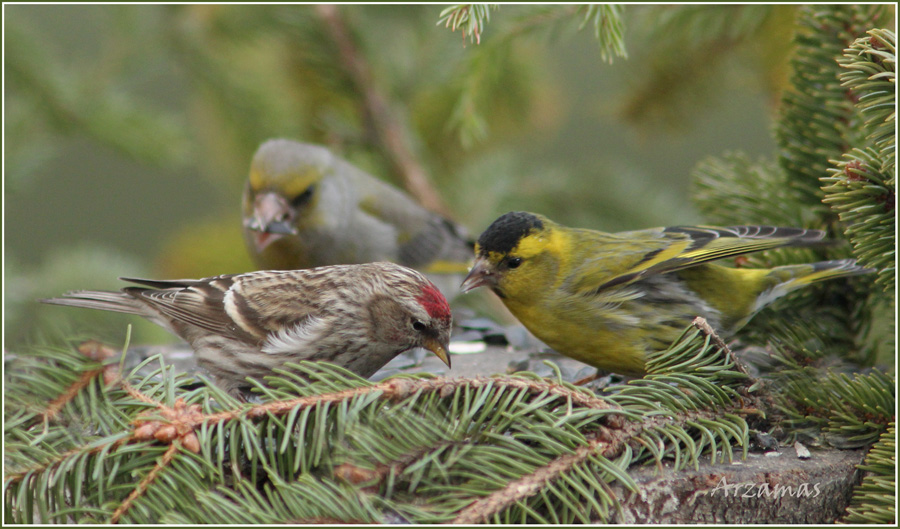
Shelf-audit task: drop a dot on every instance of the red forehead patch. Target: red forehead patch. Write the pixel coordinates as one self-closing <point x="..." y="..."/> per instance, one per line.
<point x="434" y="302"/>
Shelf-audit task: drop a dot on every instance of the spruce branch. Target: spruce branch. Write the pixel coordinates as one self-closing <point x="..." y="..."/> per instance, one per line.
<point x="605" y="18"/>
<point x="818" y="119"/>
<point x="322" y="444"/>
<point x="874" y="500"/>
<point x="609" y="29"/>
<point x="415" y="447"/>
<point x="864" y="197"/>
<point x="95" y="351"/>
<point x="470" y="18"/>
<point x="850" y="412"/>
<point x="306" y="500"/>
<point x="861" y="187"/>
<point x="142" y="485"/>
<point x="518" y="490"/>
<point x="871" y="65"/>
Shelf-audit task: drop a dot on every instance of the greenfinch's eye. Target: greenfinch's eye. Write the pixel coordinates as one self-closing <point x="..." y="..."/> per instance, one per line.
<point x="513" y="262"/>
<point x="303" y="197"/>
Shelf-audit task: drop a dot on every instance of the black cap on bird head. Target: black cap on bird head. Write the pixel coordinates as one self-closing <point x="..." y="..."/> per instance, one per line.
<point x="505" y="233"/>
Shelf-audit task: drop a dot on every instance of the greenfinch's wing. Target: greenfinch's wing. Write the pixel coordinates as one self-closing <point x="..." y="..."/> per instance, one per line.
<point x="660" y="250"/>
<point x="425" y="241"/>
<point x="440" y="247"/>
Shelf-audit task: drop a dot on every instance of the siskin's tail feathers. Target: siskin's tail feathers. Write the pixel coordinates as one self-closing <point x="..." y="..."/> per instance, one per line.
<point x="822" y="270"/>
<point x="792" y="277"/>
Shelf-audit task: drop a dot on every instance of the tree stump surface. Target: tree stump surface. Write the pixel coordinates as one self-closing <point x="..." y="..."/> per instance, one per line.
<point x="773" y="488"/>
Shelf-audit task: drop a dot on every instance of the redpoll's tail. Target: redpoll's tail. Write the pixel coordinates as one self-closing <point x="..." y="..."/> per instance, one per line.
<point x="100" y="300"/>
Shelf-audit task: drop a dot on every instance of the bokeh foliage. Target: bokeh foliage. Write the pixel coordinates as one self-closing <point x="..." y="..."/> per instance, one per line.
<point x="130" y="128"/>
<point x="235" y="75"/>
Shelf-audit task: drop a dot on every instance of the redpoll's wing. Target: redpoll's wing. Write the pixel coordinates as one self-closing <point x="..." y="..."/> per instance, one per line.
<point x="271" y="301"/>
<point x="661" y="250"/>
<point x="200" y="303"/>
<point x="222" y="282"/>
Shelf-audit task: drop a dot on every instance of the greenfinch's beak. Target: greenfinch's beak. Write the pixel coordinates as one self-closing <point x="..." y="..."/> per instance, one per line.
<point x="439" y="350"/>
<point x="272" y="218"/>
<point x="281" y="227"/>
<point x="481" y="274"/>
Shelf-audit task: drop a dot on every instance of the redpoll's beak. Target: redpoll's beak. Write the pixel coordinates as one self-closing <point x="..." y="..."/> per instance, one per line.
<point x="439" y="350"/>
<point x="481" y="274"/>
<point x="272" y="218"/>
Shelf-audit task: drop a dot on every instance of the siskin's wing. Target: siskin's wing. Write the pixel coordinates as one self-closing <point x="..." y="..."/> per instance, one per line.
<point x="627" y="257"/>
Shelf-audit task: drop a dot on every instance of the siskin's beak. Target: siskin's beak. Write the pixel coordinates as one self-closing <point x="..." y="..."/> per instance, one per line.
<point x="272" y="219"/>
<point x="439" y="350"/>
<point x="480" y="275"/>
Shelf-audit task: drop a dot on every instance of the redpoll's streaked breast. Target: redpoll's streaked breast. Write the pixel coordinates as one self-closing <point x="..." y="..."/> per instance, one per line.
<point x="356" y="316"/>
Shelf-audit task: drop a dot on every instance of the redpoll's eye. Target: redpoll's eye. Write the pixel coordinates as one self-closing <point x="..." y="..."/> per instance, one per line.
<point x="418" y="325"/>
<point x="514" y="262"/>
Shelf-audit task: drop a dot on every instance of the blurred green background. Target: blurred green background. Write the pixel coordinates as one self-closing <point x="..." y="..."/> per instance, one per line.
<point x="129" y="129"/>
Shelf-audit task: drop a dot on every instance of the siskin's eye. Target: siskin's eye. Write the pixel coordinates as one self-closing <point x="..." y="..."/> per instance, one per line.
<point x="513" y="262"/>
<point x="418" y="325"/>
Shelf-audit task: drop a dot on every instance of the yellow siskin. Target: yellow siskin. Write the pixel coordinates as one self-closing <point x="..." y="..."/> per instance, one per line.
<point x="304" y="207"/>
<point x="608" y="299"/>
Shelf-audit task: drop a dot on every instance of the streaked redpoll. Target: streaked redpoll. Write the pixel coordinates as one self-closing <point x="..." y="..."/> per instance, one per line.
<point x="356" y="316"/>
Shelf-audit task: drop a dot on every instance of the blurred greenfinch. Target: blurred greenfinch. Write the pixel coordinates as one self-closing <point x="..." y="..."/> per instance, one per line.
<point x="608" y="299"/>
<point x="304" y="207"/>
